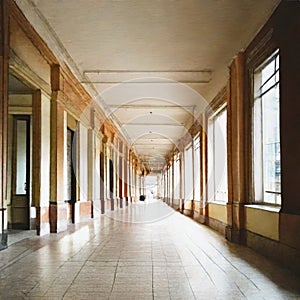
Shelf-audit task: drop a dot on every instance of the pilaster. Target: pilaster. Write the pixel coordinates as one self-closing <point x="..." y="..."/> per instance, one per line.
<point x="103" y="181"/>
<point x="4" y="71"/>
<point x="236" y="133"/>
<point x="91" y="162"/>
<point x="58" y="209"/>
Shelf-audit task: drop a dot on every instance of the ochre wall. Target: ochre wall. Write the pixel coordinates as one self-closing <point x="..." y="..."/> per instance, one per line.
<point x="218" y="212"/>
<point x="262" y="222"/>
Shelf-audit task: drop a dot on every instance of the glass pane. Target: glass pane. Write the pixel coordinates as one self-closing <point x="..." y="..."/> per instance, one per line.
<point x="210" y="161"/>
<point x="220" y="170"/>
<point x="69" y="165"/>
<point x="197" y="169"/>
<point x="268" y="72"/>
<point x="188" y="168"/>
<point x="177" y="179"/>
<point x="257" y="151"/>
<point x="271" y="146"/>
<point x="21" y="155"/>
<point x="170" y="181"/>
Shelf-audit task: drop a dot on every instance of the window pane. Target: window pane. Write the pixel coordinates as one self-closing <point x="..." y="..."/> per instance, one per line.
<point x="220" y="157"/>
<point x="197" y="168"/>
<point x="177" y="179"/>
<point x="188" y="171"/>
<point x="170" y="182"/>
<point x="21" y="157"/>
<point x="266" y="134"/>
<point x="217" y="158"/>
<point x="271" y="142"/>
<point x="210" y="162"/>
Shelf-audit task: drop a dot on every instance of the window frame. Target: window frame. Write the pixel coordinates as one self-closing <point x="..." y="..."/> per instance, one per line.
<point x="177" y="175"/>
<point x="211" y="196"/>
<point x="189" y="196"/>
<point x="256" y="69"/>
<point x="197" y="177"/>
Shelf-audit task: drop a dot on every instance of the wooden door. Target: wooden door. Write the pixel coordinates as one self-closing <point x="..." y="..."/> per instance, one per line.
<point x="21" y="173"/>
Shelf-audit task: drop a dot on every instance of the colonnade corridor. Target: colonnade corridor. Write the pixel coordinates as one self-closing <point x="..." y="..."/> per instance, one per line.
<point x="144" y="251"/>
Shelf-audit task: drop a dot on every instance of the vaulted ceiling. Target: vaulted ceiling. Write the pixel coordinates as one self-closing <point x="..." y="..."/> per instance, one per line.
<point x="151" y="65"/>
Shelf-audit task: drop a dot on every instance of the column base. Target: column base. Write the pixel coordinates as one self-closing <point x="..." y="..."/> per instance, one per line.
<point x="103" y="206"/>
<point x="3" y="240"/>
<point x="85" y="210"/>
<point x="96" y="208"/>
<point x="58" y="217"/>
<point x="234" y="235"/>
<point x="42" y="220"/>
<point x="126" y="201"/>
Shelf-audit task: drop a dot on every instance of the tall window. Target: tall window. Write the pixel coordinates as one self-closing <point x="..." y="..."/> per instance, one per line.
<point x="171" y="181"/>
<point x="266" y="132"/>
<point x="197" y="168"/>
<point x="217" y="157"/>
<point x="168" y="183"/>
<point x="177" y="177"/>
<point x="188" y="173"/>
<point x="165" y="184"/>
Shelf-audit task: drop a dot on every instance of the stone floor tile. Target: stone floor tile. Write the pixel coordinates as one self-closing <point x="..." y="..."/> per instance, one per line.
<point x="107" y="258"/>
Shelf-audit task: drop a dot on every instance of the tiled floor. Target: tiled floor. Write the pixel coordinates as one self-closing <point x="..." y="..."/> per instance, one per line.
<point x="18" y="235"/>
<point x="121" y="257"/>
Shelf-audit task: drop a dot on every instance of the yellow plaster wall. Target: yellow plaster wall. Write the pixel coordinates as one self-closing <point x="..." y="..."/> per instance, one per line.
<point x="218" y="212"/>
<point x="263" y="222"/>
<point x="197" y="206"/>
<point x="188" y="204"/>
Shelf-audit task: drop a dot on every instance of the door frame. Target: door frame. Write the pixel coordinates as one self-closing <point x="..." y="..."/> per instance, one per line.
<point x="14" y="195"/>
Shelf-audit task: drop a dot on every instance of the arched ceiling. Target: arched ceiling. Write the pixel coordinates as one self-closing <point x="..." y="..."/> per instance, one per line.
<point x="152" y="65"/>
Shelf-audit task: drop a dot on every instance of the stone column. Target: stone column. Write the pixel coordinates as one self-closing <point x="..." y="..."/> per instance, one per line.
<point x="91" y="167"/>
<point x="172" y="184"/>
<point x="164" y="183"/>
<point x="158" y="186"/>
<point x="129" y="176"/>
<point x="4" y="70"/>
<point x="203" y="170"/>
<point x="58" y="209"/>
<point x="181" y="183"/>
<point x="140" y="185"/>
<point x="42" y="214"/>
<point x="103" y="174"/>
<point x="236" y="141"/>
<point x="111" y="178"/>
<point x="168" y="184"/>
<point x="133" y="181"/>
<point x="116" y="175"/>
<point x="121" y="173"/>
<point x="136" y="186"/>
<point x="126" y="175"/>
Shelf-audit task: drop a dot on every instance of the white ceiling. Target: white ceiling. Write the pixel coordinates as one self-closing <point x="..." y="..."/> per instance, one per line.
<point x="155" y="64"/>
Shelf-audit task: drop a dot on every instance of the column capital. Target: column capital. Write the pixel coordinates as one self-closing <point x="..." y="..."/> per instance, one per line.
<point x="108" y="130"/>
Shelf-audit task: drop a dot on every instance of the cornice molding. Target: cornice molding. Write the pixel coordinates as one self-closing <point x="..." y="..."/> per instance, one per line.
<point x="22" y="11"/>
<point x="20" y="69"/>
<point x="29" y="16"/>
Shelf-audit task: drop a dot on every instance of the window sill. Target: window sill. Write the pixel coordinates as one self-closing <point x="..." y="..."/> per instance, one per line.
<point x="266" y="207"/>
<point x="218" y="202"/>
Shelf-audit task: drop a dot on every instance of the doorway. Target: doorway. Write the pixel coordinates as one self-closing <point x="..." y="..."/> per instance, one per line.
<point x="71" y="176"/>
<point x="111" y="179"/>
<point x="20" y="186"/>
